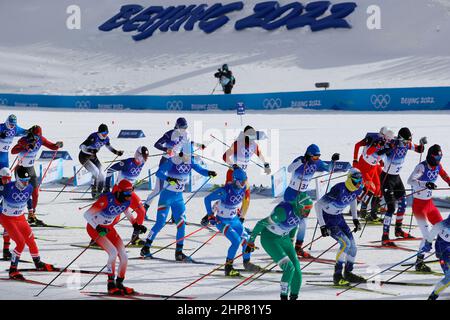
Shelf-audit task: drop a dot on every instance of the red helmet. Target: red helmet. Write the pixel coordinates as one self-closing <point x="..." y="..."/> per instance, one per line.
<point x="125" y="186"/>
<point x="36" y="130"/>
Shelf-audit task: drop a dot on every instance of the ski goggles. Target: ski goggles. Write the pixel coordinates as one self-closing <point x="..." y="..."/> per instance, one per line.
<point x="104" y="133"/>
<point x="240" y="183"/>
<point x="437" y="157"/>
<point x="357" y="180"/>
<point x="24" y="180"/>
<point x="316" y="157"/>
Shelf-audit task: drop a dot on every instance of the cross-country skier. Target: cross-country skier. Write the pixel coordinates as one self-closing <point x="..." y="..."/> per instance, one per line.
<point x="370" y="166"/>
<point x="226" y="209"/>
<point x="423" y="179"/>
<point x="329" y="214"/>
<point x="172" y="142"/>
<point x="394" y="155"/>
<point x="102" y="217"/>
<point x="88" y="157"/>
<point x="226" y="78"/>
<point x="239" y="156"/>
<point x="15" y="196"/>
<point x="5" y="178"/>
<point x="8" y="131"/>
<point x="28" y="147"/>
<point x="277" y="233"/>
<point x="303" y="169"/>
<point x="442" y="246"/>
<point x="175" y="172"/>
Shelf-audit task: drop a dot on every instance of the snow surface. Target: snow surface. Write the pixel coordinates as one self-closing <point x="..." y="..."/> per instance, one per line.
<point x="40" y="55"/>
<point x="333" y="132"/>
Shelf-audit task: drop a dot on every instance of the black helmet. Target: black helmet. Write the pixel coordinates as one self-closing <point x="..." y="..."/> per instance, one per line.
<point x="405" y="134"/>
<point x="225" y="67"/>
<point x="103" y="128"/>
<point x="22" y="174"/>
<point x="434" y="155"/>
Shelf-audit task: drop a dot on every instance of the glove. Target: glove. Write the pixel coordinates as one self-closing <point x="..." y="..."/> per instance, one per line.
<point x="146" y="206"/>
<point x="172" y="181"/>
<point x="3" y="135"/>
<point x="235" y="166"/>
<point x="30" y="146"/>
<point x="426" y="247"/>
<point x="324" y="231"/>
<point x="242" y="219"/>
<point x="267" y="168"/>
<point x="420" y="148"/>
<point x="208" y="219"/>
<point x="355" y="162"/>
<point x="169" y="152"/>
<point x="357" y="225"/>
<point x="212" y="174"/>
<point x="423" y="140"/>
<point x="335" y="157"/>
<point x="203" y="146"/>
<point x="119" y="153"/>
<point x="430" y="185"/>
<point x="250" y="247"/>
<point x="139" y="228"/>
<point x="59" y="144"/>
<point x="102" y="231"/>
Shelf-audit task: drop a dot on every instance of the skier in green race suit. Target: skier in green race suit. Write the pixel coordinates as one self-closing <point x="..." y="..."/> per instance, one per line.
<point x="277" y="236"/>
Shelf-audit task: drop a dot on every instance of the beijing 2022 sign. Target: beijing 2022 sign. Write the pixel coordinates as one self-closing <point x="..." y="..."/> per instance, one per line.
<point x="269" y="15"/>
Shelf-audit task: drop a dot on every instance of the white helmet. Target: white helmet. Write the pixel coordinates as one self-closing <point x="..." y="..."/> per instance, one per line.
<point x="387" y="133"/>
<point x="141" y="154"/>
<point x="5" y="172"/>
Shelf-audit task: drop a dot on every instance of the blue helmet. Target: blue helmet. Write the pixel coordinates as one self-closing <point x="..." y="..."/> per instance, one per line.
<point x="12" y="120"/>
<point x="312" y="150"/>
<point x="240" y="176"/>
<point x="181" y="123"/>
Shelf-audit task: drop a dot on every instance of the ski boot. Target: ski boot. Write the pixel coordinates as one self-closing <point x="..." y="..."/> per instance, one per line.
<point x="339" y="280"/>
<point x="120" y="286"/>
<point x="106" y="189"/>
<point x="94" y="192"/>
<point x="248" y="266"/>
<point x="283" y="297"/>
<point x="293" y="297"/>
<point x="6" y="254"/>
<point x="353" y="278"/>
<point x="421" y="266"/>
<point x="137" y="242"/>
<point x="14" y="274"/>
<point x="145" y="252"/>
<point x="41" y="266"/>
<point x="229" y="270"/>
<point x="399" y="233"/>
<point x="113" y="289"/>
<point x="386" y="242"/>
<point x="363" y="213"/>
<point x="180" y="256"/>
<point x="300" y="251"/>
<point x="33" y="221"/>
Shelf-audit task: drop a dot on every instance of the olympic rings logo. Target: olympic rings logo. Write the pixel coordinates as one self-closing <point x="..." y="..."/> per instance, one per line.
<point x="432" y="175"/>
<point x="20" y="197"/>
<point x="135" y="171"/>
<point x="272" y="103"/>
<point x="380" y="101"/>
<point x="10" y="133"/>
<point x="174" y="105"/>
<point x="98" y="145"/>
<point x="116" y="210"/>
<point x="183" y="168"/>
<point x="310" y="169"/>
<point x="83" y="104"/>
<point x="236" y="199"/>
<point x="292" y="221"/>
<point x="3" y="102"/>
<point x="348" y="199"/>
<point x="401" y="152"/>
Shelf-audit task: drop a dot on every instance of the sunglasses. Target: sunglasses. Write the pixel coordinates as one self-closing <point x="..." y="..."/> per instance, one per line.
<point x="24" y="179"/>
<point x="437" y="157"/>
<point x="317" y="157"/>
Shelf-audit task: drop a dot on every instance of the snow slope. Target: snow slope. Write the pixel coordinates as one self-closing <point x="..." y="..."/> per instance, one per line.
<point x="333" y="132"/>
<point x="40" y="55"/>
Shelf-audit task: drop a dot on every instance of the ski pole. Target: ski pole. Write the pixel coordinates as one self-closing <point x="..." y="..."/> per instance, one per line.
<point x="263" y="272"/>
<point x="12" y="165"/>
<point x="45" y="172"/>
<point x="229" y="147"/>
<point x="206" y="242"/>
<point x="202" y="277"/>
<point x="395" y="276"/>
<point x="181" y="239"/>
<point x="68" y="182"/>
<point x="204" y="183"/>
<point x="212" y="160"/>
<point x="65" y="268"/>
<point x="331" y="178"/>
<point x="69" y="191"/>
<point x="315" y="258"/>
<point x="374" y="275"/>
<point x="326" y="190"/>
<point x="242" y="282"/>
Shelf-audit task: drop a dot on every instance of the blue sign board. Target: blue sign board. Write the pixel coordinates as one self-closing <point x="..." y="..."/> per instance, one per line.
<point x="240" y="108"/>
<point x="131" y="134"/>
<point x="45" y="155"/>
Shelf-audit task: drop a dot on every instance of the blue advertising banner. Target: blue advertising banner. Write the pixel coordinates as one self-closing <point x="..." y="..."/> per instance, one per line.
<point x="131" y="134"/>
<point x="48" y="155"/>
<point x="390" y="99"/>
